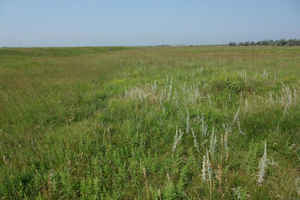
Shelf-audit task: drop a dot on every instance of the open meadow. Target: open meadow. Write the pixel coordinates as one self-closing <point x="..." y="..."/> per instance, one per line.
<point x="165" y="123"/>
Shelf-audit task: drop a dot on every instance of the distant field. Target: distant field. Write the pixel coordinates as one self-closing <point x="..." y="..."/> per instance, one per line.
<point x="211" y="122"/>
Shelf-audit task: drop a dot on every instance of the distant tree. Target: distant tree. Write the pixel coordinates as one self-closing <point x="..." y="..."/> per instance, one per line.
<point x="282" y="42"/>
<point x="252" y="43"/>
<point x="270" y="42"/>
<point x="293" y="42"/>
<point x="244" y="43"/>
<point x="247" y="43"/>
<point x="266" y="42"/>
<point x="258" y="43"/>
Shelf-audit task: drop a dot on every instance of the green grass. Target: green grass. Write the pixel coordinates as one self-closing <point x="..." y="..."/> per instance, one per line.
<point x="150" y="123"/>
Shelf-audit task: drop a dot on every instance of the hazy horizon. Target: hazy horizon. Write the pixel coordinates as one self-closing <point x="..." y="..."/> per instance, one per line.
<point x="139" y="23"/>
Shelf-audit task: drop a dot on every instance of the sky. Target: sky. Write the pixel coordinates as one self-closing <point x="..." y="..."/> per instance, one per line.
<point x="140" y="22"/>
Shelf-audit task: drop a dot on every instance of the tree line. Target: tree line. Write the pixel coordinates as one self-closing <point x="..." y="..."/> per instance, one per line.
<point x="282" y="42"/>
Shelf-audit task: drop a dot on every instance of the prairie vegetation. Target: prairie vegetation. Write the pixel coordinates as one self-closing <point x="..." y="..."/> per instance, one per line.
<point x="211" y="122"/>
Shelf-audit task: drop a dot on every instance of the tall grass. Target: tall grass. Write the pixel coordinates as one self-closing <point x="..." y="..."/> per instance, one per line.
<point x="150" y="123"/>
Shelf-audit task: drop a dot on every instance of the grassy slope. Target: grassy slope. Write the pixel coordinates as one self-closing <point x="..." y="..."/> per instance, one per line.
<point x="101" y="123"/>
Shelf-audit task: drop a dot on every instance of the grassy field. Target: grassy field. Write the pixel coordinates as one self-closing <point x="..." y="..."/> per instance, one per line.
<point x="166" y="123"/>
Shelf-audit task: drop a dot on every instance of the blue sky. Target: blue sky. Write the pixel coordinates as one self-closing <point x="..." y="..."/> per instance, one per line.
<point x="141" y="22"/>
